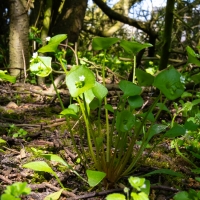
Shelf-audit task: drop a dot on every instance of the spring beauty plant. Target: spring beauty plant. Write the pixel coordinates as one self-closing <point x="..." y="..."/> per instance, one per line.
<point x="110" y="144"/>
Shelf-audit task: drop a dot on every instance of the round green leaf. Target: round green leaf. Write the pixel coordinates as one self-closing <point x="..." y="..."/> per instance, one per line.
<point x="129" y="88"/>
<point x="73" y="80"/>
<point x="42" y="67"/>
<point x="74" y="107"/>
<point x="94" y="104"/>
<point x="169" y="83"/>
<point x="192" y="56"/>
<point x="116" y="196"/>
<point x="196" y="78"/>
<point x="125" y="120"/>
<point x="144" y="78"/>
<point x="181" y="196"/>
<point x="175" y="131"/>
<point x="109" y="108"/>
<point x="95" y="177"/>
<point x="69" y="112"/>
<point x="135" y="101"/>
<point x="136" y="182"/>
<point x="100" y="43"/>
<point x="132" y="47"/>
<point x="99" y="91"/>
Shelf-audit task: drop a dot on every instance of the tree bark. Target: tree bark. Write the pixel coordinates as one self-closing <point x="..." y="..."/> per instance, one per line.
<point x="18" y="38"/>
<point x="71" y="19"/>
<point x="167" y="34"/>
<point x="144" y="26"/>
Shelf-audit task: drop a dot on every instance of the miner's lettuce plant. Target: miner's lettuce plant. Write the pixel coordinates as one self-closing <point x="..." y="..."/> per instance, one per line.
<point x="110" y="145"/>
<point x="140" y="190"/>
<point x="15" y="191"/>
<point x="94" y="177"/>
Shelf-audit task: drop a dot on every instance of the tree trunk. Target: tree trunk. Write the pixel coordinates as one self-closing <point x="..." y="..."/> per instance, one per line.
<point x="18" y="38"/>
<point x="167" y="34"/>
<point x="71" y="19"/>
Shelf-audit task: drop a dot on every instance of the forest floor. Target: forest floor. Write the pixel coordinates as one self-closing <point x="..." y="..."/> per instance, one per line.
<point x="34" y="116"/>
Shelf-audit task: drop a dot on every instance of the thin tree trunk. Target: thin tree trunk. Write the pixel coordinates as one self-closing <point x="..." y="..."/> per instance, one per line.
<point x="45" y="30"/>
<point x="167" y="34"/>
<point x="18" y="38"/>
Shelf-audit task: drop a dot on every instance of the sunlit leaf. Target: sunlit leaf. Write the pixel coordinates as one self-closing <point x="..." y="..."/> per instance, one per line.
<point x="100" y="43"/>
<point x="136" y="182"/>
<point x="73" y="80"/>
<point x="89" y="96"/>
<point x="74" y="107"/>
<point x="132" y="47"/>
<point x="139" y="196"/>
<point x="53" y="43"/>
<point x="39" y="166"/>
<point x="2" y="141"/>
<point x="6" y="77"/>
<point x="99" y="91"/>
<point x="69" y="112"/>
<point x="94" y="177"/>
<point x="16" y="190"/>
<point x="116" y="196"/>
<point x="55" y="158"/>
<point x="54" y="196"/>
<point x="42" y="67"/>
<point x="9" y="197"/>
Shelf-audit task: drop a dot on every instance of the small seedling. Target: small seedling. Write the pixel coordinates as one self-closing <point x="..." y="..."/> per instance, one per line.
<point x="15" y="191"/>
<point x="140" y="190"/>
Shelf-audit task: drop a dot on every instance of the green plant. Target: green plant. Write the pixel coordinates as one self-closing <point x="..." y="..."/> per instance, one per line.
<point x="15" y="191"/>
<point x="2" y="142"/>
<point x="187" y="195"/>
<point x="5" y="77"/>
<point x="94" y="177"/>
<point x="111" y="145"/>
<point x="140" y="190"/>
<point x="17" y="132"/>
<point x="133" y="48"/>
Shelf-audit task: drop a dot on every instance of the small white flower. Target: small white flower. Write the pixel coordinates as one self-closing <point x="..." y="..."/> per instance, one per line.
<point x="48" y="39"/>
<point x="82" y="78"/>
<point x="143" y="186"/>
<point x="182" y="79"/>
<point x="35" y="55"/>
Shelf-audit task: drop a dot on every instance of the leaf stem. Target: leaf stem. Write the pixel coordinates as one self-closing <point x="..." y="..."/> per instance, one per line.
<point x="88" y="132"/>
